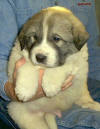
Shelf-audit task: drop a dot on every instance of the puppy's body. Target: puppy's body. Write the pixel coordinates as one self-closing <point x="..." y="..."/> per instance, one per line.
<point x="64" y="60"/>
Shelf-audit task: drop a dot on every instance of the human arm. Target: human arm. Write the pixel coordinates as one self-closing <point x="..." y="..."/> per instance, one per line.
<point x="10" y="87"/>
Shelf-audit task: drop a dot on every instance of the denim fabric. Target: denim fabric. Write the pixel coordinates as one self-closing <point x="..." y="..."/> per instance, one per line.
<point x="14" y="13"/>
<point x="8" y="32"/>
<point x="79" y="118"/>
<point x="5" y="121"/>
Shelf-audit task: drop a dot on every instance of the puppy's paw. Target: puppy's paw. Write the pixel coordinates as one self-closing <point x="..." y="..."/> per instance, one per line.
<point x="24" y="94"/>
<point x="50" y="88"/>
<point x="26" y="82"/>
<point x="52" y="81"/>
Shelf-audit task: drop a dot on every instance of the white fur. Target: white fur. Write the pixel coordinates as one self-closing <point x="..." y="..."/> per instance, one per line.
<point x="24" y="113"/>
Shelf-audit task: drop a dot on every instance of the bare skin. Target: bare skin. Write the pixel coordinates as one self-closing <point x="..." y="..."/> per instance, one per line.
<point x="9" y="87"/>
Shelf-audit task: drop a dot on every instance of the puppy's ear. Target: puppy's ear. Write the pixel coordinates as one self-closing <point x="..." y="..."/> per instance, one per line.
<point x="79" y="32"/>
<point x="80" y="36"/>
<point x="23" y="41"/>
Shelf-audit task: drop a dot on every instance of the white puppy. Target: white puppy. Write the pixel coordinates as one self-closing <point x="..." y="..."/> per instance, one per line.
<point x="53" y="40"/>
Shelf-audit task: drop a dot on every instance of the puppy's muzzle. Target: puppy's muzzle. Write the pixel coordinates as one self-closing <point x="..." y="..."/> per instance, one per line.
<point x="40" y="58"/>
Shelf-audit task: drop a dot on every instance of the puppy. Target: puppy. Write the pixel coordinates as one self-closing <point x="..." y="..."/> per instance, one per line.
<point x="53" y="39"/>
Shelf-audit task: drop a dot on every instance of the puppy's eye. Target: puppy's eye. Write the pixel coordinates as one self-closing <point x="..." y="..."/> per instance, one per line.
<point x="56" y="38"/>
<point x="35" y="37"/>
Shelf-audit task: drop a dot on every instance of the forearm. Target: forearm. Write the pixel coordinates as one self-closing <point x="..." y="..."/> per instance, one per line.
<point x="9" y="89"/>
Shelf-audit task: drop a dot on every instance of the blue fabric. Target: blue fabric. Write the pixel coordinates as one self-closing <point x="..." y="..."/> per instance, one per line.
<point x="4" y="117"/>
<point x="79" y="118"/>
<point x="13" y="14"/>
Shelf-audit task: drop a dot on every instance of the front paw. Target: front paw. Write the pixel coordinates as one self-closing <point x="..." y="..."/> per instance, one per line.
<point x="52" y="81"/>
<point x="26" y="82"/>
<point x="24" y="91"/>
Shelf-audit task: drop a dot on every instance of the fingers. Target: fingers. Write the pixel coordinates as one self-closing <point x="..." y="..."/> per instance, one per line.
<point x="58" y="113"/>
<point x="9" y="89"/>
<point x="11" y="86"/>
<point x="18" y="64"/>
<point x="41" y="73"/>
<point x="66" y="86"/>
<point x="68" y="82"/>
<point x="40" y="89"/>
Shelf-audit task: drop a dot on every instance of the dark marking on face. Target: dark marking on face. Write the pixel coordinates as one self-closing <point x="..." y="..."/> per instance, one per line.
<point x="31" y="32"/>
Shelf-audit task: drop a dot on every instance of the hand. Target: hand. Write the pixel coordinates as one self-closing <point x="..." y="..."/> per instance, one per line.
<point x="68" y="82"/>
<point x="10" y="87"/>
<point x="18" y="64"/>
<point x="40" y="93"/>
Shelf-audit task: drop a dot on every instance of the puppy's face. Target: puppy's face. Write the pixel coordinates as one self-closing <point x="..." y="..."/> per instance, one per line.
<point x="51" y="36"/>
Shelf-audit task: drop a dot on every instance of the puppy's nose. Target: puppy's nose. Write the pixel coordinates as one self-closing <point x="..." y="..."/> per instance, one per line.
<point x="40" y="58"/>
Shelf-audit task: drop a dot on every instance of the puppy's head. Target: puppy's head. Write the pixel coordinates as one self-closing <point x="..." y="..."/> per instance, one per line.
<point x="52" y="35"/>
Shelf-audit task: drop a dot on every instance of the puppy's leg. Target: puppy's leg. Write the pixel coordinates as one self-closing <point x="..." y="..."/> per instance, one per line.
<point x="25" y="118"/>
<point x="26" y="81"/>
<point x="51" y="121"/>
<point x="86" y="100"/>
<point x="54" y="78"/>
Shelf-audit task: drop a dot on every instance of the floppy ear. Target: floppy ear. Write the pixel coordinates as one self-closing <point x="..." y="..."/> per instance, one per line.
<point x="80" y="36"/>
<point x="79" y="32"/>
<point x="23" y="41"/>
